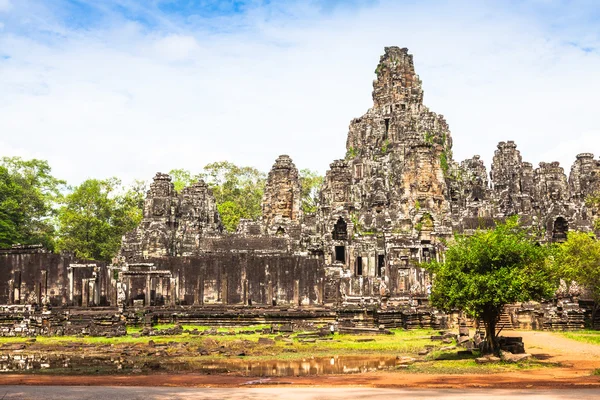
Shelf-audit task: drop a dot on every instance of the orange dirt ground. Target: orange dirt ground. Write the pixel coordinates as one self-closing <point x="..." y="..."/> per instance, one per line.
<point x="577" y="359"/>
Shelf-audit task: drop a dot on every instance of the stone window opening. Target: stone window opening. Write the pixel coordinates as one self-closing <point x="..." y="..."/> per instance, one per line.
<point x="340" y="254"/>
<point x="17" y="288"/>
<point x="380" y="264"/>
<point x="387" y="127"/>
<point x="340" y="230"/>
<point x="426" y="255"/>
<point x="560" y="230"/>
<point x="359" y="266"/>
<point x="358" y="171"/>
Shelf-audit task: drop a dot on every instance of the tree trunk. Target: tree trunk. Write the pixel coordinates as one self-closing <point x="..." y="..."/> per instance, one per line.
<point x="490" y="319"/>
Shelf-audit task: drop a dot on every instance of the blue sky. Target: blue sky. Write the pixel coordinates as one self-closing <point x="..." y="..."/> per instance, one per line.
<point x="128" y="88"/>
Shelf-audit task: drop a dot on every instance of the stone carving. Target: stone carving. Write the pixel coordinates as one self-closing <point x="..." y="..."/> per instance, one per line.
<point x="281" y="201"/>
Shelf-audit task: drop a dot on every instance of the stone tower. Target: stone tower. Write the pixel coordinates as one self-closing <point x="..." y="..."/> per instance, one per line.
<point x="283" y="195"/>
<point x="399" y="152"/>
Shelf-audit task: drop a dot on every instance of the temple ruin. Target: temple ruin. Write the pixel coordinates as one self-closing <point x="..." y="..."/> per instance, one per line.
<point x="389" y="205"/>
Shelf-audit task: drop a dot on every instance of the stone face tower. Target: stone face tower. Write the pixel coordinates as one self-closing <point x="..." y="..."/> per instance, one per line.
<point x="282" y="198"/>
<point x="399" y="152"/>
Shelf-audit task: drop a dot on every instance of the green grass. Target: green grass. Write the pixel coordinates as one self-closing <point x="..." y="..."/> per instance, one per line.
<point x="469" y="366"/>
<point x="225" y="347"/>
<point x="587" y="336"/>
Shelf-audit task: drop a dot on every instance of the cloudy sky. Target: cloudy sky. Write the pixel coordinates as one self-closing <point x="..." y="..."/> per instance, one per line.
<point x="127" y="88"/>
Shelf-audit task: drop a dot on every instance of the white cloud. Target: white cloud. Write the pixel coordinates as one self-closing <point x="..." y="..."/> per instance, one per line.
<point x="128" y="102"/>
<point x="5" y="5"/>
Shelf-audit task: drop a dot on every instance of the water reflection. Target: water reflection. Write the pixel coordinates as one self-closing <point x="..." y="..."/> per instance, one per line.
<point x="305" y="367"/>
<point x="271" y="368"/>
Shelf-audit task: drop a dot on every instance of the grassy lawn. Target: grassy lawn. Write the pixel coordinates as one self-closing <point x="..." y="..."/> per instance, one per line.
<point x="232" y="346"/>
<point x="587" y="336"/>
<point x="402" y="342"/>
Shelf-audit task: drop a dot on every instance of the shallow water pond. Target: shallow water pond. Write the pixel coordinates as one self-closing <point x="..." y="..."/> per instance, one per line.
<point x="235" y="366"/>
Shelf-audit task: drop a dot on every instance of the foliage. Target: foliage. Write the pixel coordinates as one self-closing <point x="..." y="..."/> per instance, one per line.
<point x="241" y="187"/>
<point x="578" y="259"/>
<point x="484" y="272"/>
<point x="239" y="190"/>
<point x="28" y="194"/>
<point x="428" y="137"/>
<point x="351" y="153"/>
<point x="444" y="163"/>
<point x="586" y="336"/>
<point x="385" y="146"/>
<point x="182" y="178"/>
<point x="593" y="202"/>
<point x="231" y="213"/>
<point x="94" y="217"/>
<point x="310" y="182"/>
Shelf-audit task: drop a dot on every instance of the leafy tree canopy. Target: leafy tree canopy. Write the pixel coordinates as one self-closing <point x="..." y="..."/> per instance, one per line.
<point x="578" y="259"/>
<point x="238" y="190"/>
<point x="311" y="183"/>
<point x="489" y="269"/>
<point x="95" y="215"/>
<point x="593" y="202"/>
<point x="28" y="195"/>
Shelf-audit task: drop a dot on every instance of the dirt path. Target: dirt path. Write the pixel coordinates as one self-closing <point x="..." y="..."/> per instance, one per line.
<point x="556" y="348"/>
<point x="577" y="359"/>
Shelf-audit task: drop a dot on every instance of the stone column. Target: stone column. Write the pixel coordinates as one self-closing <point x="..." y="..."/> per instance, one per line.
<point x="147" y="290"/>
<point x="71" y="284"/>
<point x="173" y="292"/>
<point x="296" y="292"/>
<point x="85" y="288"/>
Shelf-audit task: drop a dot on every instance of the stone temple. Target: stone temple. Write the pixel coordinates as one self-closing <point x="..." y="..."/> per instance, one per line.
<point x="389" y="205"/>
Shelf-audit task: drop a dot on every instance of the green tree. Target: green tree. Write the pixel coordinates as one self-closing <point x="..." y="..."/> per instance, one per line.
<point x="28" y="195"/>
<point x="237" y="190"/>
<point x="489" y="269"/>
<point x="593" y="202"/>
<point x="94" y="217"/>
<point x="578" y="259"/>
<point x="311" y="183"/>
<point x="182" y="178"/>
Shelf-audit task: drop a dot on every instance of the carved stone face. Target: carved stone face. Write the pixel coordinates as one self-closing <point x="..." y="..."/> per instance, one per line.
<point x="159" y="208"/>
<point x="283" y="202"/>
<point x="339" y="193"/>
<point x="424" y="183"/>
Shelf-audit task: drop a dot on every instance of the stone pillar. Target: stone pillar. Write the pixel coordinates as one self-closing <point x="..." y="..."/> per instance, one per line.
<point x="173" y="292"/>
<point x="44" y="300"/>
<point x="270" y="293"/>
<point x="85" y="289"/>
<point x="197" y="292"/>
<point x="296" y="292"/>
<point x="224" y="299"/>
<point x="147" y="290"/>
<point x="319" y="289"/>
<point x="201" y="284"/>
<point x="71" y="284"/>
